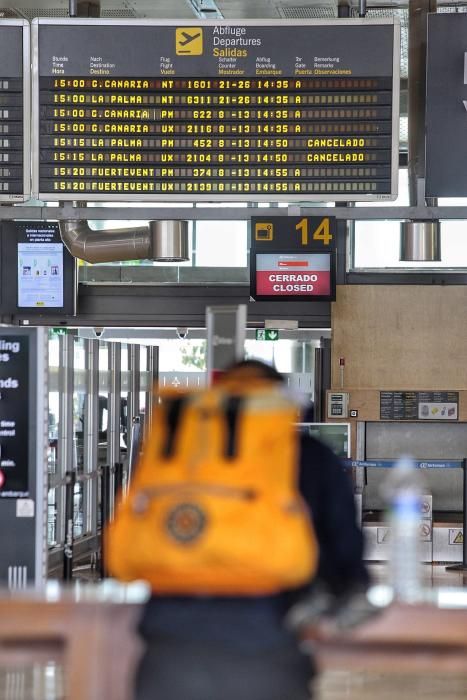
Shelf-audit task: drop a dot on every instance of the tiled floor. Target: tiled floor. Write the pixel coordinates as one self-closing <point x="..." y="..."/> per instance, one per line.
<point x="41" y="682"/>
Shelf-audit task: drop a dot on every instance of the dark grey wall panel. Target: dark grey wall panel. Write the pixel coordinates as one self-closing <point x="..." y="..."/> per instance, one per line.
<point x="185" y="306"/>
<point x="14" y="111"/>
<point x="446" y="114"/>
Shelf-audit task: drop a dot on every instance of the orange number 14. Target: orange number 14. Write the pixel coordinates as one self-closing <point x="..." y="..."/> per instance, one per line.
<point x="321" y="233"/>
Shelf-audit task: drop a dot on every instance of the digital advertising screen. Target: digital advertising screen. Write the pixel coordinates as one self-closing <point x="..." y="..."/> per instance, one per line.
<point x="264" y="111"/>
<point x="40" y="272"/>
<point x="43" y="280"/>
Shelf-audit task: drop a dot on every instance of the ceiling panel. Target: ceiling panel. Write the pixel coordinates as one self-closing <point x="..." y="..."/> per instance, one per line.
<point x="242" y="9"/>
<point x="162" y="9"/>
<point x="403" y="15"/>
<point x="230" y="9"/>
<point x="307" y="11"/>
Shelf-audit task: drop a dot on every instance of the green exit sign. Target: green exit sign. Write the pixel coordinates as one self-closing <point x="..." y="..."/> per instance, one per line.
<point x="267" y="334"/>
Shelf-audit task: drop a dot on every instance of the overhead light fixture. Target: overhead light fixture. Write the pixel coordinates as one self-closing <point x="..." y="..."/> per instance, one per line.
<point x="420" y="241"/>
<point x="205" y="9"/>
<point x="169" y="241"/>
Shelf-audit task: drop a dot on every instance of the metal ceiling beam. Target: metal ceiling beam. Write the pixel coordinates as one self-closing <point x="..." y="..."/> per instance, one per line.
<point x="230" y="214"/>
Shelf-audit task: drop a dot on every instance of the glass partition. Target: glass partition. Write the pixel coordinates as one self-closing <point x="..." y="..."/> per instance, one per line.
<point x="85" y="376"/>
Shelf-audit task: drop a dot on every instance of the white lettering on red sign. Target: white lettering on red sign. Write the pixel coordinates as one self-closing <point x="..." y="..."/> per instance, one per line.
<point x="272" y="283"/>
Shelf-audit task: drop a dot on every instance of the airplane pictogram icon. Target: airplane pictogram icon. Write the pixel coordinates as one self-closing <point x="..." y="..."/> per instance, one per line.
<point x="188" y="38"/>
<point x="189" y="41"/>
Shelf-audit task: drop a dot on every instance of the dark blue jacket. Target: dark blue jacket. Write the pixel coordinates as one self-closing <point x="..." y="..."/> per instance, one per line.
<point x="256" y="623"/>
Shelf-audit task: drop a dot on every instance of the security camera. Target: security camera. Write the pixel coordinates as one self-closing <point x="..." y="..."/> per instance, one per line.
<point x="99" y="332"/>
<point x="182" y="333"/>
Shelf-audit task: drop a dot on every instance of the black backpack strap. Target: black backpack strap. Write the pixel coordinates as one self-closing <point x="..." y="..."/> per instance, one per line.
<point x="233" y="408"/>
<point x="174" y="409"/>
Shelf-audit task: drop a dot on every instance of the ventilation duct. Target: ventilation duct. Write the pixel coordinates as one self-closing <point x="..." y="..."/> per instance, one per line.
<point x="420" y="241"/>
<point x="162" y="241"/>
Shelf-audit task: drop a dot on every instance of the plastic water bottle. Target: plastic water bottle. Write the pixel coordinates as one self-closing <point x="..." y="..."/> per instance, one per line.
<point x="403" y="493"/>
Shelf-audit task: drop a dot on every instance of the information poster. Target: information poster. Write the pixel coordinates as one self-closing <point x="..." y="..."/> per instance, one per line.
<point x="234" y="110"/>
<point x="419" y="405"/>
<point x="14" y="420"/>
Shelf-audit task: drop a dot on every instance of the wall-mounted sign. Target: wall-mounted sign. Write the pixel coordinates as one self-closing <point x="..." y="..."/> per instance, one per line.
<point x="419" y="405"/>
<point x="14" y="416"/>
<point x="258" y="110"/>
<point x="14" y="110"/>
<point x="293" y="274"/>
<point x="446" y="106"/>
<point x="267" y="334"/>
<point x="292" y="258"/>
<point x="225" y="332"/>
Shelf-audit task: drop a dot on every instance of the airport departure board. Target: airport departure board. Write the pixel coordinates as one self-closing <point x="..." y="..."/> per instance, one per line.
<point x="261" y="111"/>
<point x="14" y="110"/>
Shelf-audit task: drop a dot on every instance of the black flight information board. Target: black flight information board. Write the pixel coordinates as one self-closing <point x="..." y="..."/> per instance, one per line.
<point x="261" y="111"/>
<point x="14" y="110"/>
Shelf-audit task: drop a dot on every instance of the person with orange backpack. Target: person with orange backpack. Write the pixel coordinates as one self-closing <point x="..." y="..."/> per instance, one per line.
<point x="231" y="516"/>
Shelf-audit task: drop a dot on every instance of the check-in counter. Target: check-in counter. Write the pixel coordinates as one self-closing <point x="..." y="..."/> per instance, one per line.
<point x="437" y="441"/>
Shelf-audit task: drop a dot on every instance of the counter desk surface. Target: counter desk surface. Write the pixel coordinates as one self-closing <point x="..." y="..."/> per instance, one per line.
<point x="429" y="635"/>
<point x="91" y="629"/>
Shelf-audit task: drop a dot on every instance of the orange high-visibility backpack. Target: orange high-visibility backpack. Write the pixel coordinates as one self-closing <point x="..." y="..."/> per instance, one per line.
<point x="214" y="506"/>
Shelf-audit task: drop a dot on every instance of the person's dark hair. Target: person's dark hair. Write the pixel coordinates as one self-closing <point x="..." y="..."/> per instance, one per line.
<point x="255" y="368"/>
